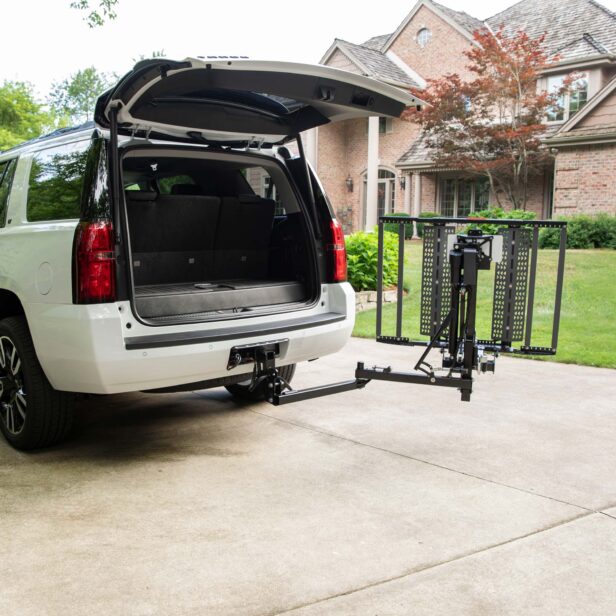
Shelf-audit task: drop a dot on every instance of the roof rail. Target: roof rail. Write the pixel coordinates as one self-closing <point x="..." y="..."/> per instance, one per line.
<point x="56" y="133"/>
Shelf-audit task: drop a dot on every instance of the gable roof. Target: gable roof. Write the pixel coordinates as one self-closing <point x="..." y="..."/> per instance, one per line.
<point x="466" y="21"/>
<point x="574" y="29"/>
<point x="376" y="42"/>
<point x="373" y="63"/>
<point x="460" y="21"/>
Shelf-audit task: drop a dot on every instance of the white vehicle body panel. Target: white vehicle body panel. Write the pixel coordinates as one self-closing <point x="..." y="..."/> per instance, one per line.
<point x="82" y="348"/>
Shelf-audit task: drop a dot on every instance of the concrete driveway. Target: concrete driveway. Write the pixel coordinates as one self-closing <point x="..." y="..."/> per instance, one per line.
<point x="393" y="500"/>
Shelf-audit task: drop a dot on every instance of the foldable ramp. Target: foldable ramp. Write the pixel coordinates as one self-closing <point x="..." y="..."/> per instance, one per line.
<point x="510" y="286"/>
<point x="435" y="280"/>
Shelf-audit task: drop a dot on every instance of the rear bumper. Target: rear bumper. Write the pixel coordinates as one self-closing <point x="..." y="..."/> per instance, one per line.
<point x="101" y="349"/>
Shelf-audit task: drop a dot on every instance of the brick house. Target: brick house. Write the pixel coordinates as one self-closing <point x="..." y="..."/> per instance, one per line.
<point x="382" y="166"/>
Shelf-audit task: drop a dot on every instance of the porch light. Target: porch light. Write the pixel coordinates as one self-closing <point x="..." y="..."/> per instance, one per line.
<point x="349" y="183"/>
<point x="403" y="182"/>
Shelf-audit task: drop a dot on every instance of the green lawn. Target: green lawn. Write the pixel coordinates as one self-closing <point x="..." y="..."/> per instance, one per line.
<point x="588" y="316"/>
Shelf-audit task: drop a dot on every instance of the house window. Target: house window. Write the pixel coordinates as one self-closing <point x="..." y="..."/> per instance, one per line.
<point x="386" y="126"/>
<point x="570" y="102"/>
<point x="386" y="192"/>
<point x="423" y="37"/>
<point x="460" y="197"/>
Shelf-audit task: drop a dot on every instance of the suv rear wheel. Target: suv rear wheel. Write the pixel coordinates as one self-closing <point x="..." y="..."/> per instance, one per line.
<point x="242" y="390"/>
<point x="32" y="413"/>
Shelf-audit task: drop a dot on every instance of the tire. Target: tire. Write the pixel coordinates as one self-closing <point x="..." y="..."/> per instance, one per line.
<point x="32" y="413"/>
<point x="242" y="390"/>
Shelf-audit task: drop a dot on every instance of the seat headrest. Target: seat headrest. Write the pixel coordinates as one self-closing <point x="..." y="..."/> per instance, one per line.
<point x="141" y="195"/>
<point x="247" y="198"/>
<point x="186" y="189"/>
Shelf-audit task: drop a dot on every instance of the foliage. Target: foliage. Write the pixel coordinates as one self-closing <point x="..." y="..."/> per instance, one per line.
<point x="583" y="232"/>
<point x="96" y="16"/>
<point x="498" y="212"/>
<point x="587" y="332"/>
<point x="21" y="116"/>
<point x="408" y="229"/>
<point x="157" y="53"/>
<point x="74" y="99"/>
<point x="420" y="226"/>
<point x="392" y="227"/>
<point x="56" y="180"/>
<point x="491" y="125"/>
<point x="362" y="256"/>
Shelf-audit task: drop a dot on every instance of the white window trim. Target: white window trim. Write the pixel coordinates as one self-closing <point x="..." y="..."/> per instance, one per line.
<point x="428" y="33"/>
<point x="439" y="190"/>
<point x="567" y="98"/>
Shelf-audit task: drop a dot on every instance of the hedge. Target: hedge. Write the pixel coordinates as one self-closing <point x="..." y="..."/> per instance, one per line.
<point x="497" y="213"/>
<point x="583" y="231"/>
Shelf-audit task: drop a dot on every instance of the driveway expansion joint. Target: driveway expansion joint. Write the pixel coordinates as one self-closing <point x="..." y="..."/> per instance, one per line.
<point x="453" y="559"/>
<point x="427" y="462"/>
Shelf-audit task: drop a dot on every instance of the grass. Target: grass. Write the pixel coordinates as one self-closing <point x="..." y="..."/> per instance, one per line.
<point x="588" y="315"/>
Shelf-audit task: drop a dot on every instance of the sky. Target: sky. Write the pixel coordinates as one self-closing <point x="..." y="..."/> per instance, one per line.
<point x="44" y="41"/>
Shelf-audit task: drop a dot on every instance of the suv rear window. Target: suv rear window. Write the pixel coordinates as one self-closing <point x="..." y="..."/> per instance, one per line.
<point x="7" y="171"/>
<point x="56" y="181"/>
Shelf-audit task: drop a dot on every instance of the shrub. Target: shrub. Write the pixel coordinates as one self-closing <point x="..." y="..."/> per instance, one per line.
<point x="583" y="231"/>
<point x="362" y="255"/>
<point x="420" y="226"/>
<point x="498" y="212"/>
<point x="392" y="227"/>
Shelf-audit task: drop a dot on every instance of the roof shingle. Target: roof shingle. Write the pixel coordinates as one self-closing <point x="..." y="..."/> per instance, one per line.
<point x="376" y="42"/>
<point x="378" y="64"/>
<point x="466" y="21"/>
<point x="574" y="29"/>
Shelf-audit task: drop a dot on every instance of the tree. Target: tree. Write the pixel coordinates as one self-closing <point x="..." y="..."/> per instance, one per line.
<point x="492" y="124"/>
<point x="96" y="16"/>
<point x="157" y="53"/>
<point x="74" y="99"/>
<point x="21" y="116"/>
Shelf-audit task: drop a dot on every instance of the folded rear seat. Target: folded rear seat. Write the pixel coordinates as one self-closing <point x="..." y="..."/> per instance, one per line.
<point x="243" y="238"/>
<point x="172" y="237"/>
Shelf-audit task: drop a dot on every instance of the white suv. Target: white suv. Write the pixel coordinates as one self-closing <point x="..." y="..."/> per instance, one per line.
<point x="146" y="250"/>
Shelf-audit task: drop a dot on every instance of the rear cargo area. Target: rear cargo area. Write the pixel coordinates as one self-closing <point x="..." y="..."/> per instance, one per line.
<point x="214" y="235"/>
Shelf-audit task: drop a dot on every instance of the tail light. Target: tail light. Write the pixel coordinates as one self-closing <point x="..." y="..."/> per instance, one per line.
<point x="95" y="263"/>
<point x="336" y="253"/>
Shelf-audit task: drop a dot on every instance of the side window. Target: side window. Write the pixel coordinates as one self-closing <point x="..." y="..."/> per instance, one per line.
<point x="263" y="185"/>
<point x="56" y="182"/>
<point x="7" y="171"/>
<point x="166" y="184"/>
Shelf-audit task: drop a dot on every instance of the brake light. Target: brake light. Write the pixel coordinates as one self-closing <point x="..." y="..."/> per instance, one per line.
<point x="336" y="253"/>
<point x="95" y="263"/>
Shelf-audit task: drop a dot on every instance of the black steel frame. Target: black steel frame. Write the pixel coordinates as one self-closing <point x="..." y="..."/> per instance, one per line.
<point x="493" y="344"/>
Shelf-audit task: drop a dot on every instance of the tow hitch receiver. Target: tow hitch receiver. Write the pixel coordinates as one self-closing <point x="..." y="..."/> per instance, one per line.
<point x="278" y="391"/>
<point x="453" y="256"/>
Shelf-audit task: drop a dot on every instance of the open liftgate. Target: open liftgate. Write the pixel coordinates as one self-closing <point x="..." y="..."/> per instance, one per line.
<point x="453" y="255"/>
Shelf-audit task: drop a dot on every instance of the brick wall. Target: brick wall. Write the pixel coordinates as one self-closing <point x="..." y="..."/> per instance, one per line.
<point x="343" y="151"/>
<point x="444" y="52"/>
<point x="332" y="168"/>
<point x="584" y="181"/>
<point x="537" y="193"/>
